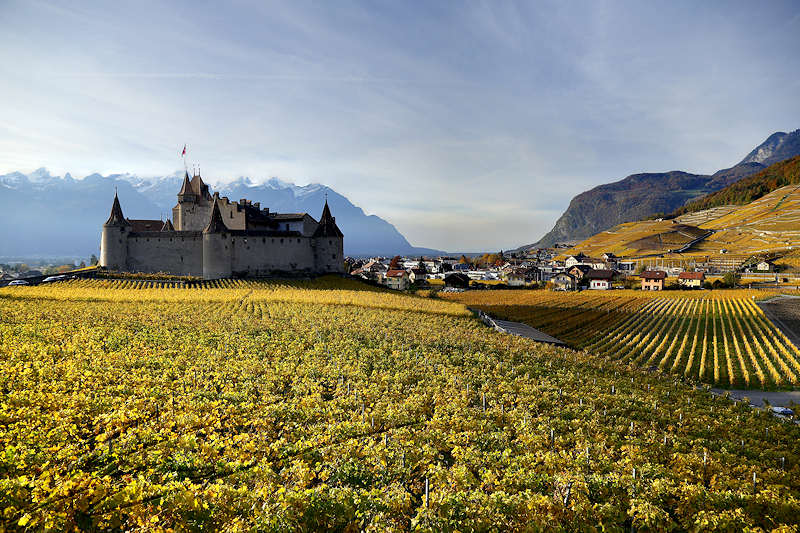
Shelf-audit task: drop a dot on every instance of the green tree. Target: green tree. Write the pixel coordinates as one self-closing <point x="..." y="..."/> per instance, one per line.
<point x="731" y="279"/>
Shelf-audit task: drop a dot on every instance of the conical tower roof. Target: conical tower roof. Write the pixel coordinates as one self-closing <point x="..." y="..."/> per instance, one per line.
<point x="168" y="226"/>
<point x="327" y="224"/>
<point x="186" y="188"/>
<point x="216" y="224"/>
<point x="116" y="218"/>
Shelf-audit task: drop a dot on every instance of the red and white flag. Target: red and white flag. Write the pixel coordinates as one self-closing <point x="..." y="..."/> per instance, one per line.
<point x="184" y="151"/>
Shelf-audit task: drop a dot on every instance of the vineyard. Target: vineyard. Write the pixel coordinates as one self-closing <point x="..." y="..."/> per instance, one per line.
<point x="721" y="338"/>
<point x="331" y="405"/>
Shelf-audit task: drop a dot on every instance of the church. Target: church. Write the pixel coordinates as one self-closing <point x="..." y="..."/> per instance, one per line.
<point x="212" y="237"/>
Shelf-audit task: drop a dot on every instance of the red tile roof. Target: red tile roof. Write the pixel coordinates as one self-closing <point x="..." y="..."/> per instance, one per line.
<point x="691" y="275"/>
<point x="396" y="273"/>
<point x="653" y="274"/>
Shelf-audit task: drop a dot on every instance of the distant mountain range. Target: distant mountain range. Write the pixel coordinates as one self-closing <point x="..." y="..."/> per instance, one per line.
<point x="640" y="196"/>
<point x="45" y="216"/>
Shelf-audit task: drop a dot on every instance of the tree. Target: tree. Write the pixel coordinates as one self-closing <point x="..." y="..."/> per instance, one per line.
<point x="394" y="264"/>
<point x="464" y="260"/>
<point x="421" y="265"/>
<point x="93" y="260"/>
<point x="731" y="279"/>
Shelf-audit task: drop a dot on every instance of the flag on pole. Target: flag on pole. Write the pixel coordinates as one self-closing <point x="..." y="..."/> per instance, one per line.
<point x="184" y="151"/>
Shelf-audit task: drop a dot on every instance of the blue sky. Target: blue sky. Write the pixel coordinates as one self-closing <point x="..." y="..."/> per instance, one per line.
<point x="469" y="125"/>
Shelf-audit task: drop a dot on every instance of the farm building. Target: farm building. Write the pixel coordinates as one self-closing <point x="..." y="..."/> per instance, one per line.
<point x="653" y="280"/>
<point x="600" y="279"/>
<point x="691" y="279"/>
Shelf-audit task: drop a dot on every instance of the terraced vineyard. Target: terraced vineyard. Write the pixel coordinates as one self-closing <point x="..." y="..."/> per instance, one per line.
<point x="328" y="405"/>
<point x="721" y="337"/>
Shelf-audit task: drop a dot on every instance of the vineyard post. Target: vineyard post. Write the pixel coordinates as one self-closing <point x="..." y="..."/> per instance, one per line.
<point x="427" y="501"/>
<point x="754" y="483"/>
<point x="705" y="461"/>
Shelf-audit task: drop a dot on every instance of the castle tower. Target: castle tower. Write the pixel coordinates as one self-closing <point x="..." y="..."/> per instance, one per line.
<point x="194" y="205"/>
<point x="328" y="242"/>
<point x="114" y="240"/>
<point x="216" y="247"/>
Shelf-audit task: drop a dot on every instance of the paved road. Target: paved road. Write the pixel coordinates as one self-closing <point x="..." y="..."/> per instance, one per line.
<point x="516" y="328"/>
<point x="524" y="330"/>
<point x="765" y="306"/>
<point x="757" y="397"/>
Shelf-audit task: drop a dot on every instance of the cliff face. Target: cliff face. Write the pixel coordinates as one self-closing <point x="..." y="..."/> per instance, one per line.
<point x="640" y="196"/>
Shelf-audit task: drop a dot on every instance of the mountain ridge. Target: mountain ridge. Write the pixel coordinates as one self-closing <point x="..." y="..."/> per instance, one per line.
<point x="30" y="203"/>
<point x="642" y="195"/>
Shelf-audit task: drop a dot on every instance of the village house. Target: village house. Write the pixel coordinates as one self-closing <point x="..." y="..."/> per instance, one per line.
<point x="692" y="280"/>
<point x="653" y="280"/>
<point x="515" y="277"/>
<point x="764" y="266"/>
<point x="417" y="275"/>
<point x="600" y="279"/>
<point x="456" y="280"/>
<point x="563" y="281"/>
<point x="579" y="271"/>
<point x="397" y="279"/>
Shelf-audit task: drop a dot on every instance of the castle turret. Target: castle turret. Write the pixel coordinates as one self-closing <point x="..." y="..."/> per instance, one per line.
<point x="216" y="243"/>
<point x="328" y="243"/>
<point x="114" y="241"/>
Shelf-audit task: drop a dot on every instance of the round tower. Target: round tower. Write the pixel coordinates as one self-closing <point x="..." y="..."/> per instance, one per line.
<point x="114" y="241"/>
<point x="216" y="247"/>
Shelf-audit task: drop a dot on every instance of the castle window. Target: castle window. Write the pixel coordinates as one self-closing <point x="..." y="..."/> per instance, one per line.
<point x="263" y="240"/>
<point x="330" y="242"/>
<point x="298" y="240"/>
<point x="281" y="241"/>
<point x="231" y="214"/>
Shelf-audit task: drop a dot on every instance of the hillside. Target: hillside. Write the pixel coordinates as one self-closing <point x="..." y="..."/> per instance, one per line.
<point x="750" y="188"/>
<point x="54" y="216"/>
<point x="643" y="195"/>
<point x="767" y="226"/>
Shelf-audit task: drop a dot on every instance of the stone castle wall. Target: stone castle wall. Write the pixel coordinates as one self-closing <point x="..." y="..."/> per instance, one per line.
<point x="167" y="251"/>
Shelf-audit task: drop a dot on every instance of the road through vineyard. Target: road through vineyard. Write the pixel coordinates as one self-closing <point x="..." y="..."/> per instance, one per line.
<point x="331" y="405"/>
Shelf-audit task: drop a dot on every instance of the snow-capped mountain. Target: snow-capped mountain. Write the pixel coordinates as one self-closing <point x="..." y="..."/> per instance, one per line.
<point x="48" y="215"/>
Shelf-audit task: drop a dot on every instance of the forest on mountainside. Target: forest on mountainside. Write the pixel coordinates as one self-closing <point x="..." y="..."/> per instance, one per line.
<point x="748" y="189"/>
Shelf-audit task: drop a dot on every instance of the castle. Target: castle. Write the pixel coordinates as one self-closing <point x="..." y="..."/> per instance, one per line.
<point x="213" y="237"/>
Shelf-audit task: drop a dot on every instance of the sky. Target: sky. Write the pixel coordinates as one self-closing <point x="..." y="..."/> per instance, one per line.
<point x="468" y="125"/>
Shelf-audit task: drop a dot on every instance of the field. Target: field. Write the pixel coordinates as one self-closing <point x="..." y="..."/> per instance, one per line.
<point x="719" y="337"/>
<point x="330" y="405"/>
